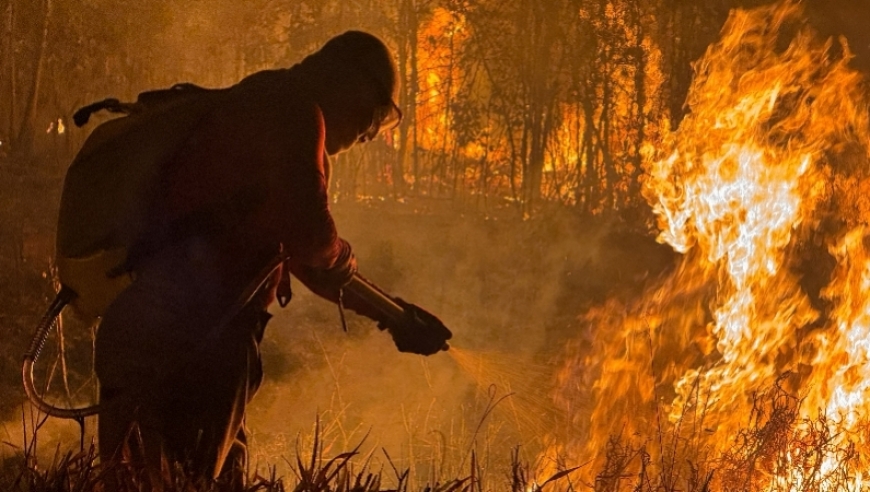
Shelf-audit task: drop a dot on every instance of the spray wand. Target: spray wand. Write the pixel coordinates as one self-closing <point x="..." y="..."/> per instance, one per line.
<point x="413" y="328"/>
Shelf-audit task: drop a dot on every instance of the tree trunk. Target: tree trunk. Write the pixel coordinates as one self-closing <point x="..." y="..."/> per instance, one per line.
<point x="514" y="156"/>
<point x="413" y="91"/>
<point x="591" y="180"/>
<point x="27" y="129"/>
<point x="9" y="54"/>
<point x="403" y="56"/>
<point x="640" y="65"/>
<point x="448" y="102"/>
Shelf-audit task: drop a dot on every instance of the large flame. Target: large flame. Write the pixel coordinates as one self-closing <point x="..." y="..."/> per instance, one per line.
<point x="441" y="39"/>
<point x="763" y="184"/>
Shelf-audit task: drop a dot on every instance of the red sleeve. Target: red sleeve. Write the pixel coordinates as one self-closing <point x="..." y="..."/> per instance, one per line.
<point x="301" y="216"/>
<point x="304" y="223"/>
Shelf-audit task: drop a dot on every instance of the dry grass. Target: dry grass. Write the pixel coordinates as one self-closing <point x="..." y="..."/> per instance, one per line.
<point x="777" y="451"/>
<point x="81" y="471"/>
<point x="803" y="454"/>
<point x="776" y="442"/>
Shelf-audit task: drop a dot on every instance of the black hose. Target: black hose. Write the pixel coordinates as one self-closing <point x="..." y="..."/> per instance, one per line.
<point x="37" y="343"/>
<point x="64" y="297"/>
<point x="67" y="295"/>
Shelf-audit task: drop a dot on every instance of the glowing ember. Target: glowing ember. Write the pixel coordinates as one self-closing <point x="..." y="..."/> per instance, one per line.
<point x="763" y="175"/>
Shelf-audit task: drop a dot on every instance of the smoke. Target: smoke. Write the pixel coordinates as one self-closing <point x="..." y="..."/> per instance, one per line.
<point x="509" y="290"/>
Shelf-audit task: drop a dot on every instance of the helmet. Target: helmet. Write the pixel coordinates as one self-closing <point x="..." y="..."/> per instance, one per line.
<point x="368" y="56"/>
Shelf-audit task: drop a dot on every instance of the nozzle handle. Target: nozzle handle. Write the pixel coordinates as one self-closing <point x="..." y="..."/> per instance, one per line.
<point x="375" y="297"/>
<point x="397" y="311"/>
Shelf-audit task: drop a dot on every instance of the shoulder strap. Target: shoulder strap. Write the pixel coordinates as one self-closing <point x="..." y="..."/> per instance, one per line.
<point x="144" y="100"/>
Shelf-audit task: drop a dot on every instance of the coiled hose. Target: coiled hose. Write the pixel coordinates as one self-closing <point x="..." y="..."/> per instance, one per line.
<point x="64" y="297"/>
<point x="37" y="343"/>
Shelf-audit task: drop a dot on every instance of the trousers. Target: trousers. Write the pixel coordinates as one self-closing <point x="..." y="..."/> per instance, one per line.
<point x="176" y="369"/>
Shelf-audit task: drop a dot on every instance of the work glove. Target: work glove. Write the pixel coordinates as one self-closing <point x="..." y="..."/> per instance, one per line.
<point x="418" y="332"/>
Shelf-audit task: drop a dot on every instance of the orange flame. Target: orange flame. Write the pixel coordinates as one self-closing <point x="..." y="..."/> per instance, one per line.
<point x="441" y="39"/>
<point x="769" y="162"/>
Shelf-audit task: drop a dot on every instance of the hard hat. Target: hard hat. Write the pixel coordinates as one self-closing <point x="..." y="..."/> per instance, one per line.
<point x="367" y="55"/>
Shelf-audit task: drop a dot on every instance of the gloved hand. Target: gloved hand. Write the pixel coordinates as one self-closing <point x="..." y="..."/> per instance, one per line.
<point x="420" y="332"/>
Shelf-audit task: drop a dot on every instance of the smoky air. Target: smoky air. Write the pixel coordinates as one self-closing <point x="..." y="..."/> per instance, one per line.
<point x="644" y="223"/>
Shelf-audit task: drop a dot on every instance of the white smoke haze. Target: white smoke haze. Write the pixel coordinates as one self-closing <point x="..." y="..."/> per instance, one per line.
<point x="502" y="286"/>
<point x="509" y="289"/>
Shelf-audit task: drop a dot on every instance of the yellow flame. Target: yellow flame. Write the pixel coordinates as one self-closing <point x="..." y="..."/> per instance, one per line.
<point x="440" y="40"/>
<point x="770" y="164"/>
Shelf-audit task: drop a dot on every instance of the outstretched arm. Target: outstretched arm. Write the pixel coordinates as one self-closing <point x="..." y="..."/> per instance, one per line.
<point x="318" y="257"/>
